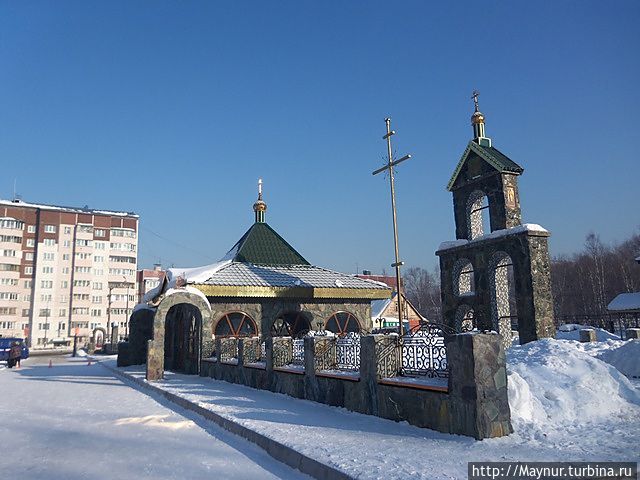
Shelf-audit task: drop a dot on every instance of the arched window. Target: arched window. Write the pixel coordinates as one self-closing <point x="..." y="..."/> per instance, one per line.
<point x="465" y="319"/>
<point x="290" y="325"/>
<point x="341" y="323"/>
<point x="504" y="314"/>
<point x="236" y="324"/>
<point x="463" y="278"/>
<point x="477" y="215"/>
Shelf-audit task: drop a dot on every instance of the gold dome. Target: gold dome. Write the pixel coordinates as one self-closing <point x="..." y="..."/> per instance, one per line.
<point x="477" y="117"/>
<point x="259" y="206"/>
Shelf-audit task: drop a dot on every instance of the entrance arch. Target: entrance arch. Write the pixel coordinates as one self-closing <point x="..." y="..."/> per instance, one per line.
<point x="99" y="334"/>
<point x="157" y="347"/>
<point x="183" y="338"/>
<point x="342" y="323"/>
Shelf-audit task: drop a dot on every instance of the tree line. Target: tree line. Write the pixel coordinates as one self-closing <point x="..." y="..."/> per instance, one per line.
<point x="582" y="283"/>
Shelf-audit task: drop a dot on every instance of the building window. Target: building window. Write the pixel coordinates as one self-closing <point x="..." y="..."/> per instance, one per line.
<point x="66" y="256"/>
<point x="62" y="313"/>
<point x="66" y="243"/>
<point x="98" y="232"/>
<point x="8" y="253"/>
<point x="31" y="229"/>
<point x="50" y="229"/>
<point x="8" y="296"/>
<point x="49" y="242"/>
<point x="26" y="312"/>
<point x="31" y="242"/>
<point x="97" y="286"/>
<point x="7" y="310"/>
<point x="46" y="283"/>
<point x="28" y="283"/>
<point x="64" y="284"/>
<point x="67" y="230"/>
<point x="12" y="282"/>
<point x="49" y="256"/>
<point x="46" y="297"/>
<point x="47" y="269"/>
<point x="96" y="312"/>
<point x="236" y="324"/>
<point x="28" y="270"/>
<point x="44" y="312"/>
<point x="11" y="223"/>
<point x="341" y="323"/>
<point x="28" y="256"/>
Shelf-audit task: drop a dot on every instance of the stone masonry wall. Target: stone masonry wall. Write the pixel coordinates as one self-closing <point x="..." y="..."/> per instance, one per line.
<point x="474" y="404"/>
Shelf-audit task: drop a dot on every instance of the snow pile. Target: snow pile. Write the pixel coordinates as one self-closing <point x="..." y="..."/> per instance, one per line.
<point x="554" y="385"/>
<point x="571" y="331"/>
<point x="626" y="358"/>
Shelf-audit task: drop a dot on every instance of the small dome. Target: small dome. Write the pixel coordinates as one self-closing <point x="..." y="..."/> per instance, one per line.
<point x="477" y="117"/>
<point x="259" y="206"/>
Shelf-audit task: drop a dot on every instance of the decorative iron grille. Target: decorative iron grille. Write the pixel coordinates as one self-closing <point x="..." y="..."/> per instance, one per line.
<point x="348" y="352"/>
<point x="282" y="352"/>
<point x="325" y="354"/>
<point x="251" y="350"/>
<point x="228" y="349"/>
<point x="424" y="352"/>
<point x="297" y="354"/>
<point x="388" y="362"/>
<point x="263" y="352"/>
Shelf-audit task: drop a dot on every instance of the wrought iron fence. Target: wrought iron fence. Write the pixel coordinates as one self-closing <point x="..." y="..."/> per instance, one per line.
<point x="424" y="352"/>
<point x="251" y="352"/>
<point x="388" y="356"/>
<point x="348" y="352"/>
<point x="228" y="349"/>
<point x="325" y="354"/>
<point x="297" y="354"/>
<point x="263" y="352"/>
<point x="282" y="352"/>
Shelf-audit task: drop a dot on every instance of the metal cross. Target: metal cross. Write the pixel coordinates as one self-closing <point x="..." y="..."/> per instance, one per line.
<point x="389" y="166"/>
<point x="475" y="96"/>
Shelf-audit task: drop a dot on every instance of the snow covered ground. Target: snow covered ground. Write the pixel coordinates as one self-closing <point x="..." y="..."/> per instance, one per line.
<point x="566" y="405"/>
<point x="75" y="421"/>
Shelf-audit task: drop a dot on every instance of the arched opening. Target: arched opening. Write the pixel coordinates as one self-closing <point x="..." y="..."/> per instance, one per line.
<point x="463" y="278"/>
<point x="504" y="312"/>
<point x="235" y="324"/>
<point x="478" y="215"/>
<point x="182" y="338"/>
<point x="295" y="325"/>
<point x="99" y="334"/>
<point x="342" y="323"/>
<point x="465" y="319"/>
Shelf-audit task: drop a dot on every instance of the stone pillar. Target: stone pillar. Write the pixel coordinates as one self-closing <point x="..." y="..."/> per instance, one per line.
<point x="369" y="346"/>
<point x="240" y="352"/>
<point x="155" y="360"/>
<point x="311" y="387"/>
<point x="114" y="335"/>
<point x="479" y="405"/>
<point x="268" y="348"/>
<point x="587" y="335"/>
<point x="633" y="333"/>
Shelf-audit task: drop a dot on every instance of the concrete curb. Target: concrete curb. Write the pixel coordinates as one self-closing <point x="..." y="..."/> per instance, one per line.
<point x="277" y="450"/>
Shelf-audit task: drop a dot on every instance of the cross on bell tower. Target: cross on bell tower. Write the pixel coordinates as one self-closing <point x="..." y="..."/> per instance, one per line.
<point x="260" y="207"/>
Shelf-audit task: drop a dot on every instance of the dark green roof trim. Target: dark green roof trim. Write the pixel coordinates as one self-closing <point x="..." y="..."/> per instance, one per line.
<point x="262" y="245"/>
<point x="492" y="156"/>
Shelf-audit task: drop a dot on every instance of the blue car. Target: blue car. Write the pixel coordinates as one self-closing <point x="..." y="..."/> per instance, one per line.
<point x="5" y="346"/>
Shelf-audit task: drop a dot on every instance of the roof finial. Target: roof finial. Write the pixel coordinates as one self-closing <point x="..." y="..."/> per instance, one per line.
<point x="260" y="206"/>
<point x="477" y="121"/>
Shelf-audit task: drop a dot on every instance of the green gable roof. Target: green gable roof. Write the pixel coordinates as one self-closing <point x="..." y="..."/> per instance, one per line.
<point x="492" y="156"/>
<point x="261" y="245"/>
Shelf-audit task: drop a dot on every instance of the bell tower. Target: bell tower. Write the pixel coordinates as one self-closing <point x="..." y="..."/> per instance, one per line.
<point x="496" y="275"/>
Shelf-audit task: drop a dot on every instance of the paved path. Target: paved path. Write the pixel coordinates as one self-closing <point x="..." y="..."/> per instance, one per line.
<point x="74" y="421"/>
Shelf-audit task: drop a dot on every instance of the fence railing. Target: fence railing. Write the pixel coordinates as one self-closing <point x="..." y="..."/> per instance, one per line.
<point x="229" y="350"/>
<point x="348" y="352"/>
<point x="297" y="353"/>
<point x="424" y="352"/>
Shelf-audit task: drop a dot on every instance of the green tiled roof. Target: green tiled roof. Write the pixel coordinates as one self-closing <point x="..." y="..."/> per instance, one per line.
<point x="261" y="245"/>
<point x="492" y="156"/>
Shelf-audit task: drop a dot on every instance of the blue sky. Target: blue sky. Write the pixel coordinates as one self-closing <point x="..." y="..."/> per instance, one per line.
<point x="174" y="109"/>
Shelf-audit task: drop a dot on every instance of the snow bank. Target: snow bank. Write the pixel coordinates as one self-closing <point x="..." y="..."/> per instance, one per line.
<point x="554" y="384"/>
<point x="571" y="331"/>
<point x="626" y="358"/>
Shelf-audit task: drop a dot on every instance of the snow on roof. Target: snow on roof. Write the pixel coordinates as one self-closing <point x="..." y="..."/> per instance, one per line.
<point x="527" y="227"/>
<point x="306" y="276"/>
<point x="21" y="203"/>
<point x="188" y="289"/>
<point x="379" y="306"/>
<point x="638" y="259"/>
<point x="625" y="302"/>
<point x="195" y="274"/>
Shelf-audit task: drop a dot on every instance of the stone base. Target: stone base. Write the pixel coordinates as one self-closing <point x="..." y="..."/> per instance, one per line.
<point x="588" y="335"/>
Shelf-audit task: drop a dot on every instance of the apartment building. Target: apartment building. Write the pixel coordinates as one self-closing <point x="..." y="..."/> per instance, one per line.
<point x="65" y="271"/>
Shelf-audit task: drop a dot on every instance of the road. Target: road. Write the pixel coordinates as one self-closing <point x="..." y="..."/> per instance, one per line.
<point x="75" y="421"/>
